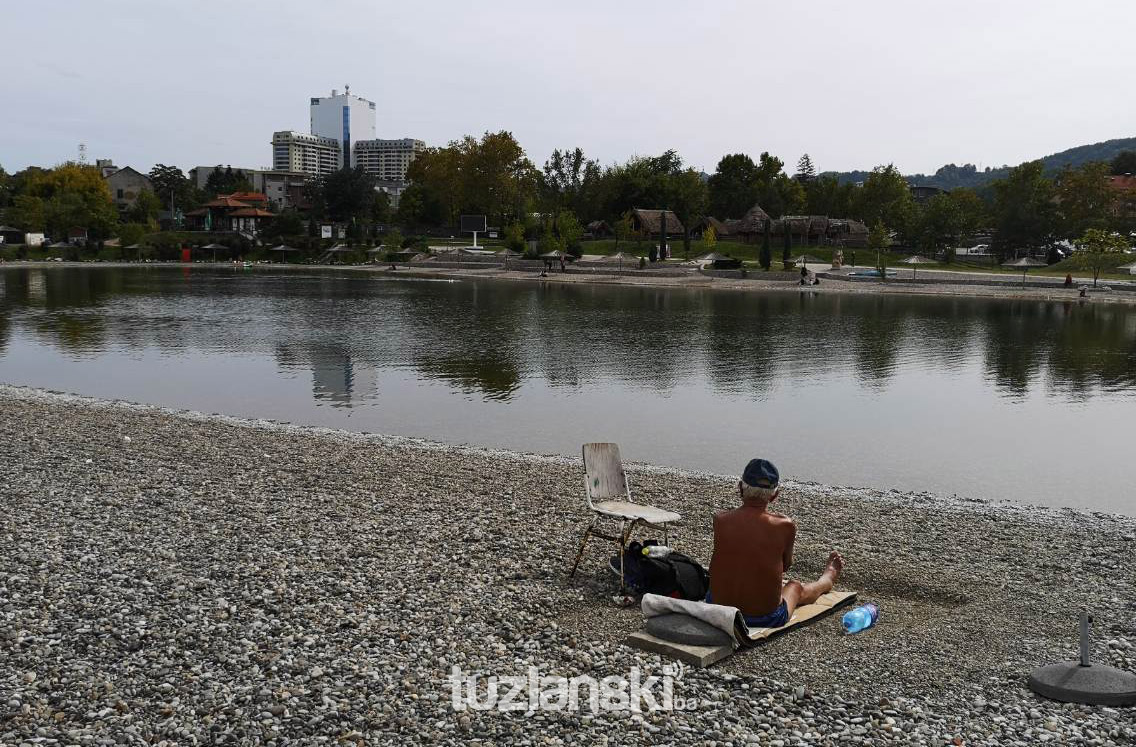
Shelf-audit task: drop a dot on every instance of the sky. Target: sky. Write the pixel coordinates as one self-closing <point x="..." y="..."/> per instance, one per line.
<point x="853" y="84"/>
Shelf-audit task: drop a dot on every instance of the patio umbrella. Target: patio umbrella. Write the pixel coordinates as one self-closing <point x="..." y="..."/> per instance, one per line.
<point x="1024" y="264"/>
<point x="214" y="247"/>
<point x="1128" y="268"/>
<point x="283" y="248"/>
<point x="621" y="256"/>
<point x="917" y="259"/>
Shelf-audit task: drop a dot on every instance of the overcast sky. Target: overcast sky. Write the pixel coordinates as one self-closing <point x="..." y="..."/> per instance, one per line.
<point x="854" y="84"/>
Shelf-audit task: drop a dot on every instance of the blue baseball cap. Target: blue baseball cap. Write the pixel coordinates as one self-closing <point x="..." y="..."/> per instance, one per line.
<point x="760" y="473"/>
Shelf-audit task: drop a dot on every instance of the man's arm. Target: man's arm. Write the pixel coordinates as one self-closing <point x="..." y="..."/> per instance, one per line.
<point x="790" y="538"/>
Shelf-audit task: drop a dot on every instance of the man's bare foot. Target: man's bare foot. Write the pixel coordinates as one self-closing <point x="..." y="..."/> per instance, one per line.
<point x="835" y="566"/>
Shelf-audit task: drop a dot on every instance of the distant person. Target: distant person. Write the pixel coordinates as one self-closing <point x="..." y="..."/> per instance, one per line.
<point x="1068" y="280"/>
<point x="562" y="264"/>
<point x="853" y="259"/>
<point x="804" y="275"/>
<point x="753" y="548"/>
<point x="1084" y="291"/>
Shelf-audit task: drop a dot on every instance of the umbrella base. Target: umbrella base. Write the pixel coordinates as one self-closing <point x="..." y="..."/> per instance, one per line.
<point x="1070" y="682"/>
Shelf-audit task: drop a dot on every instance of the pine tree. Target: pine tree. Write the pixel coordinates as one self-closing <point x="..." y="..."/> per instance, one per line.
<point x="805" y="169"/>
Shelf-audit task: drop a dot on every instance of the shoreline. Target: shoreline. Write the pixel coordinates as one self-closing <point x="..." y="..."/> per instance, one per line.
<point x="218" y="575"/>
<point x="1004" y="291"/>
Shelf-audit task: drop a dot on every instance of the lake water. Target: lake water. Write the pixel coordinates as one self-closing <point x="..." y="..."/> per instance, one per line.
<point x="1025" y="400"/>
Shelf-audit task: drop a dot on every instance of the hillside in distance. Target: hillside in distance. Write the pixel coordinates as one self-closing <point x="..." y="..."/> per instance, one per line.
<point x="967" y="175"/>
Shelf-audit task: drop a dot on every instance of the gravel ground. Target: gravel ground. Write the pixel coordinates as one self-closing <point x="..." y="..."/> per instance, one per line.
<point x="176" y="578"/>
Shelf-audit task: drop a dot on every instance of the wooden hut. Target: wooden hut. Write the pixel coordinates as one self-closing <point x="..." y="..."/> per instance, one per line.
<point x="649" y="222"/>
<point x="599" y="229"/>
<point x="751" y="226"/>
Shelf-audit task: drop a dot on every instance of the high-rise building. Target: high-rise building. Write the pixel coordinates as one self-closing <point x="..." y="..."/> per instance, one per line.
<point x="387" y="160"/>
<point x="310" y="154"/>
<point x="343" y="117"/>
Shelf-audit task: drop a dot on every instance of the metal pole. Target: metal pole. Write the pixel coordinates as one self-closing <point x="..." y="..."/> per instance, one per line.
<point x="1085" y="621"/>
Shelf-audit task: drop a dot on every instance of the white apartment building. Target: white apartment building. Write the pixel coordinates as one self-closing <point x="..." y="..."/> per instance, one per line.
<point x="310" y="154"/>
<point x="344" y="118"/>
<point x="387" y="160"/>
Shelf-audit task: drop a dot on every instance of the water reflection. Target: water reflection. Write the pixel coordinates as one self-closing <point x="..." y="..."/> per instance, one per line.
<point x="487" y="340"/>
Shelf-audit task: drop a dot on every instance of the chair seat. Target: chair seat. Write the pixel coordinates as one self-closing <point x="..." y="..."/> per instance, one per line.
<point x="626" y="510"/>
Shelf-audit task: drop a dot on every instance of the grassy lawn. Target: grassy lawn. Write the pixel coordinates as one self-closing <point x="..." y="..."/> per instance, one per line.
<point x="1059" y="270"/>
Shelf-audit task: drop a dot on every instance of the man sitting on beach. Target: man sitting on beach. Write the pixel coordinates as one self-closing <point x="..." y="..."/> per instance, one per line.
<point x="753" y="547"/>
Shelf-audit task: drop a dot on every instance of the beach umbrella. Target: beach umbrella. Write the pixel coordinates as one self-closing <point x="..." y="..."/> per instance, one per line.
<point x="1024" y="264"/>
<point x="916" y="259"/>
<point x="619" y="257"/>
<point x="214" y="247"/>
<point x="282" y="248"/>
<point x="1128" y="268"/>
<point x="505" y="254"/>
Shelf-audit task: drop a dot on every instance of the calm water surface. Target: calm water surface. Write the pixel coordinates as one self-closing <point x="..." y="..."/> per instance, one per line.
<point x="1024" y="400"/>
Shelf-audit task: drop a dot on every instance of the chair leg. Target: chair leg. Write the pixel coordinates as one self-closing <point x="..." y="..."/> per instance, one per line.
<point x="580" y="552"/>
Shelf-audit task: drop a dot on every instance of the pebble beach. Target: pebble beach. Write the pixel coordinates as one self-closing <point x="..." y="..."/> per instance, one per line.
<point x="187" y="578"/>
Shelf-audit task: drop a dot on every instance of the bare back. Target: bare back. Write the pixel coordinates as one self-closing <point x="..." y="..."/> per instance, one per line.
<point x="752" y="550"/>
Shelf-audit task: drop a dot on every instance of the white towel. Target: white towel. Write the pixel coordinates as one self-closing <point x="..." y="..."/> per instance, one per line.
<point x="727" y="619"/>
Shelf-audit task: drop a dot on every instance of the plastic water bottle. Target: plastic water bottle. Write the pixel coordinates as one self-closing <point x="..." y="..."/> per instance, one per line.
<point x="861" y="618"/>
<point x="656" y="551"/>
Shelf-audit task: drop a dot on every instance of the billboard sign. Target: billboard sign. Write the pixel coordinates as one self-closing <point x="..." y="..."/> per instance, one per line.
<point x="325" y="232"/>
<point x="473" y="223"/>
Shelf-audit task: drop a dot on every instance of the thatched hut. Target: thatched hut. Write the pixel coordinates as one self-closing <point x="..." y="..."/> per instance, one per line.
<point x="751" y="226"/>
<point x="847" y="232"/>
<point x="720" y="228"/>
<point x="649" y="222"/>
<point x="599" y="229"/>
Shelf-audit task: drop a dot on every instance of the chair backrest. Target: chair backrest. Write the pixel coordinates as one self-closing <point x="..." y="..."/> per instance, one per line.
<point x="603" y="473"/>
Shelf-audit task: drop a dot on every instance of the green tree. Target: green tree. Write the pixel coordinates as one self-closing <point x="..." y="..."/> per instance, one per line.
<point x="1099" y="250"/>
<point x="622" y="228"/>
<point x="348" y="195"/>
<point x="569" y="230"/>
<point x="569" y="181"/>
<point x="73" y="196"/>
<point x="732" y="188"/>
<point x="886" y="198"/>
<point x="1123" y="163"/>
<point x="806" y="172"/>
<point x="393" y="241"/>
<point x="688" y="199"/>
<point x="288" y="223"/>
<point x="879" y="239"/>
<point x="825" y="195"/>
<point x="381" y="207"/>
<point x="1085" y="198"/>
<point x="171" y="187"/>
<point x="145" y="208"/>
<point x="132" y="233"/>
<point x="1024" y="212"/>
<point x="26" y="213"/>
<point x="515" y="236"/>
<point x="226" y="181"/>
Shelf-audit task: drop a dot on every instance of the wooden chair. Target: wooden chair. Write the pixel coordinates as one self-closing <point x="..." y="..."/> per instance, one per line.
<point x="609" y="497"/>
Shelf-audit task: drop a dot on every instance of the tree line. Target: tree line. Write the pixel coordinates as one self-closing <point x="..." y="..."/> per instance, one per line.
<point x="492" y="175"/>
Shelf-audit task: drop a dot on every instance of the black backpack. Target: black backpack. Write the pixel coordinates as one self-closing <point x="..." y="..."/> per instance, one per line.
<point x="677" y="575"/>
